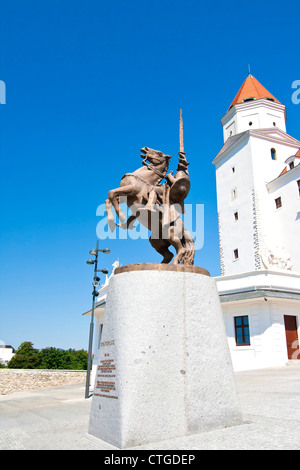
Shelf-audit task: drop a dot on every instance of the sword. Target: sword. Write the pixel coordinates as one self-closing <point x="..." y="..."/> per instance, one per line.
<point x="181" y="147"/>
<point x="182" y="163"/>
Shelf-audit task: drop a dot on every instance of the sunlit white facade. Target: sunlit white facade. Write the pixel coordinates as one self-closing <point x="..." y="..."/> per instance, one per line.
<point x="258" y="194"/>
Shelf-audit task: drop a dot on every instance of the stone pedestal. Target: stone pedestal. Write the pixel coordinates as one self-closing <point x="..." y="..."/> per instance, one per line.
<point x="164" y="368"/>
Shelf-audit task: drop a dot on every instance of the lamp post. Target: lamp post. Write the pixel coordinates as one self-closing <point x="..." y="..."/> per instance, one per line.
<point x="95" y="294"/>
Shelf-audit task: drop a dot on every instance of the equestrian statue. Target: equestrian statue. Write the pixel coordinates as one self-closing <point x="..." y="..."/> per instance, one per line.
<point x="156" y="199"/>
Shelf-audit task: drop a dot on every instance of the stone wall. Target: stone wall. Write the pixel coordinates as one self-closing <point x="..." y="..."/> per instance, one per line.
<point x="22" y="380"/>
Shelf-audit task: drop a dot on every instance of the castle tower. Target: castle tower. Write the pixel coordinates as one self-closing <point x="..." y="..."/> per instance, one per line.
<point x="257" y="184"/>
<point x="253" y="108"/>
<point x="258" y="197"/>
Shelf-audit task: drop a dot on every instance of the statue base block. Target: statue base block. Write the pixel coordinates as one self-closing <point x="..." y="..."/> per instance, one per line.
<point x="164" y="368"/>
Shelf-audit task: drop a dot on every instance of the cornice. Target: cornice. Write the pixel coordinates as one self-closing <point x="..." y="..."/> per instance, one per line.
<point x="248" y="105"/>
<point x="290" y="175"/>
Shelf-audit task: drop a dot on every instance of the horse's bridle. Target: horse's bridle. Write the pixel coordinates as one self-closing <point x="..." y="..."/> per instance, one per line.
<point x="150" y="167"/>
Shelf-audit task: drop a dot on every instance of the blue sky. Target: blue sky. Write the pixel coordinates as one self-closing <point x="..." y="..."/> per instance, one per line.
<point x="90" y="83"/>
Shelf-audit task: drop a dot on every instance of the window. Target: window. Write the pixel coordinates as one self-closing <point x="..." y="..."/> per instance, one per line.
<point x="298" y="183"/>
<point x="250" y="123"/>
<point x="236" y="216"/>
<point x="291" y="165"/>
<point x="236" y="254"/>
<point x="233" y="169"/>
<point x="233" y="194"/>
<point x="273" y="154"/>
<point x="242" y="333"/>
<point x="274" y="124"/>
<point x="278" y="202"/>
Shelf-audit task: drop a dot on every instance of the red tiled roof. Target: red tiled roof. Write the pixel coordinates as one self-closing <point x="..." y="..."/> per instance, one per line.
<point x="283" y="172"/>
<point x="251" y="88"/>
<point x="297" y="155"/>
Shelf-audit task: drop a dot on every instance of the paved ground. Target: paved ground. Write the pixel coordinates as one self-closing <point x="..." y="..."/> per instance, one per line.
<point x="57" y="418"/>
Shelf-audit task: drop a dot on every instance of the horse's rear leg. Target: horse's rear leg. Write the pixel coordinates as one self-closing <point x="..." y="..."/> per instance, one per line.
<point x="161" y="246"/>
<point x="177" y="244"/>
<point x="113" y="198"/>
<point x="110" y="215"/>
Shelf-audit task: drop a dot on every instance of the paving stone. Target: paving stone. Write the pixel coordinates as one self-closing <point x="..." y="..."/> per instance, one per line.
<point x="57" y="418"/>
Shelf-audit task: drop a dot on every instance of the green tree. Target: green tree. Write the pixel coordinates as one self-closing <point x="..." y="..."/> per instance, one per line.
<point x="26" y="357"/>
<point x="51" y="358"/>
<point x="79" y="359"/>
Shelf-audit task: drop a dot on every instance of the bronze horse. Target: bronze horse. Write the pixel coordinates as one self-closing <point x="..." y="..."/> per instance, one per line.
<point x="150" y="201"/>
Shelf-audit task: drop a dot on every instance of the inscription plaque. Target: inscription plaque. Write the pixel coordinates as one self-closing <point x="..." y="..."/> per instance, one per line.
<point x="105" y="371"/>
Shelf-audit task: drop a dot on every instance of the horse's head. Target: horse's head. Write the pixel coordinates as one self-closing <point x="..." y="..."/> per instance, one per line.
<point x="156" y="157"/>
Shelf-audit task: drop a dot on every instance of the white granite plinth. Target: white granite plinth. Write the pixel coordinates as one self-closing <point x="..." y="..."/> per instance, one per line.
<point x="164" y="368"/>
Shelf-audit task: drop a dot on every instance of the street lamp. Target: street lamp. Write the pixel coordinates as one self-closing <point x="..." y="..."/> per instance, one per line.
<point x="95" y="294"/>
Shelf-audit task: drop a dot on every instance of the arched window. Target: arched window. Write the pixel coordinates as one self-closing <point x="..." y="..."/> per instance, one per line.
<point x="273" y="154"/>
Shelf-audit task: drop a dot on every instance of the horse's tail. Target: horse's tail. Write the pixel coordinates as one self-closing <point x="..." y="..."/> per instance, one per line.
<point x="189" y="248"/>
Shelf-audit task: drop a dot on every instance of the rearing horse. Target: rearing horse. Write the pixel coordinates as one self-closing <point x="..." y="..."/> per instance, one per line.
<point x="136" y="187"/>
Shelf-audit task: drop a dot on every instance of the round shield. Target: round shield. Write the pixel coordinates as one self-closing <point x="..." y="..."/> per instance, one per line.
<point x="180" y="189"/>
